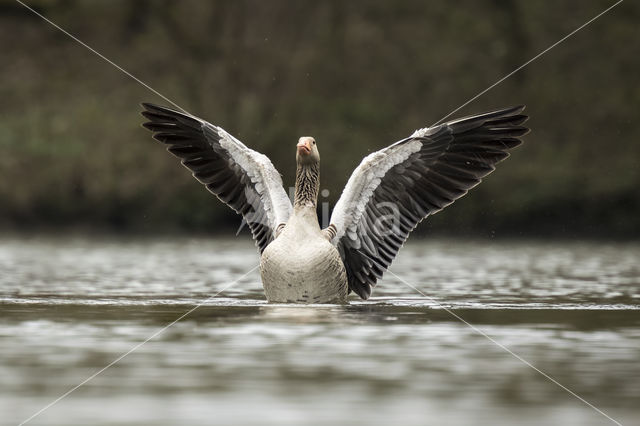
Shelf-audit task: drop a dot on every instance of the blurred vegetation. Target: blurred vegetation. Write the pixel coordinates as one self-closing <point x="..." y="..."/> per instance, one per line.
<point x="356" y="75"/>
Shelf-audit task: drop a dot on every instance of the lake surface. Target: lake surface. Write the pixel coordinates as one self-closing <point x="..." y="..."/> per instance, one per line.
<point x="69" y="307"/>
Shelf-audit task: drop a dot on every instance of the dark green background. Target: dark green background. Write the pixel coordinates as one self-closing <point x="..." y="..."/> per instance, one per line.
<point x="356" y="75"/>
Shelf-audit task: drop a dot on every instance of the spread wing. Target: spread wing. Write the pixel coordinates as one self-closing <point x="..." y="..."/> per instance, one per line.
<point x="240" y="177"/>
<point x="394" y="189"/>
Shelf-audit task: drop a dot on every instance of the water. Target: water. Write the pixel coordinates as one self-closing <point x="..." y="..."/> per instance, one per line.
<point x="69" y="307"/>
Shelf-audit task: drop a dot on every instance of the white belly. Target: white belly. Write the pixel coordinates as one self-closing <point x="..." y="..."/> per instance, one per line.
<point x="303" y="269"/>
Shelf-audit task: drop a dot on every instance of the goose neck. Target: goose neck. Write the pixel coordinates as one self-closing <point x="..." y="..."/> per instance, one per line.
<point x="307" y="185"/>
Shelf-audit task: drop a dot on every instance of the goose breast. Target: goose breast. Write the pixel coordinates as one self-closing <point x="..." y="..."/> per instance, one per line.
<point x="302" y="266"/>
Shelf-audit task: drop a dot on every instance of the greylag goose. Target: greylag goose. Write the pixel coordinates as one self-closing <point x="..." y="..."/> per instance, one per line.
<point x="388" y="194"/>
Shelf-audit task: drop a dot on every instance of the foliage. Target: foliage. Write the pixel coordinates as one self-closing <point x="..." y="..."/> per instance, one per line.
<point x="356" y="75"/>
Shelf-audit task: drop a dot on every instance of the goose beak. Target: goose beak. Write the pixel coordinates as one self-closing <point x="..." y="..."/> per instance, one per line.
<point x="304" y="146"/>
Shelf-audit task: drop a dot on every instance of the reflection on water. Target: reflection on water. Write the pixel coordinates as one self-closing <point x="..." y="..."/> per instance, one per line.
<point x="70" y="307"/>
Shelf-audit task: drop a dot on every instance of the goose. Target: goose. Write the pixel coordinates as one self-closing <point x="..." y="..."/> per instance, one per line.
<point x="386" y="197"/>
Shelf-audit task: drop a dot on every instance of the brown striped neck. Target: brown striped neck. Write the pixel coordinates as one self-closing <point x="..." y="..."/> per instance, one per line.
<point x="307" y="185"/>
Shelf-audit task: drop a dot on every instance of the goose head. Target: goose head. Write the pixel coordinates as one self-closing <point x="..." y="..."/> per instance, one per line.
<point x="307" y="151"/>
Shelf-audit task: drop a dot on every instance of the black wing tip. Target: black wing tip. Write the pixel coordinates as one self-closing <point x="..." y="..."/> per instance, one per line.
<point x="148" y="107"/>
<point x="516" y="118"/>
<point x="512" y="130"/>
<point x="516" y="109"/>
<point x="152" y="112"/>
<point x="151" y="107"/>
<point x="498" y="113"/>
<point x="504" y="120"/>
<point x="363" y="290"/>
<point x="508" y="112"/>
<point x="159" y="115"/>
<point x="149" y="125"/>
<point x="161" y="110"/>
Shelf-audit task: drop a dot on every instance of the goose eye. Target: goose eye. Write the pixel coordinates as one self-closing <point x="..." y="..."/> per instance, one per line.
<point x="314" y="142"/>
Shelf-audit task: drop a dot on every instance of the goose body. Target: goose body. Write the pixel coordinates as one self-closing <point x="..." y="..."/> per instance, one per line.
<point x="386" y="197"/>
<point x="301" y="265"/>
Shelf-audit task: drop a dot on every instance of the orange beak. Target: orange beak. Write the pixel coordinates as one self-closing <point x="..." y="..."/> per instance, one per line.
<point x="304" y="147"/>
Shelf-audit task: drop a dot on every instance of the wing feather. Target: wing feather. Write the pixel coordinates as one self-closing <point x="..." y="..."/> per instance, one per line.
<point x="242" y="178"/>
<point x="394" y="189"/>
